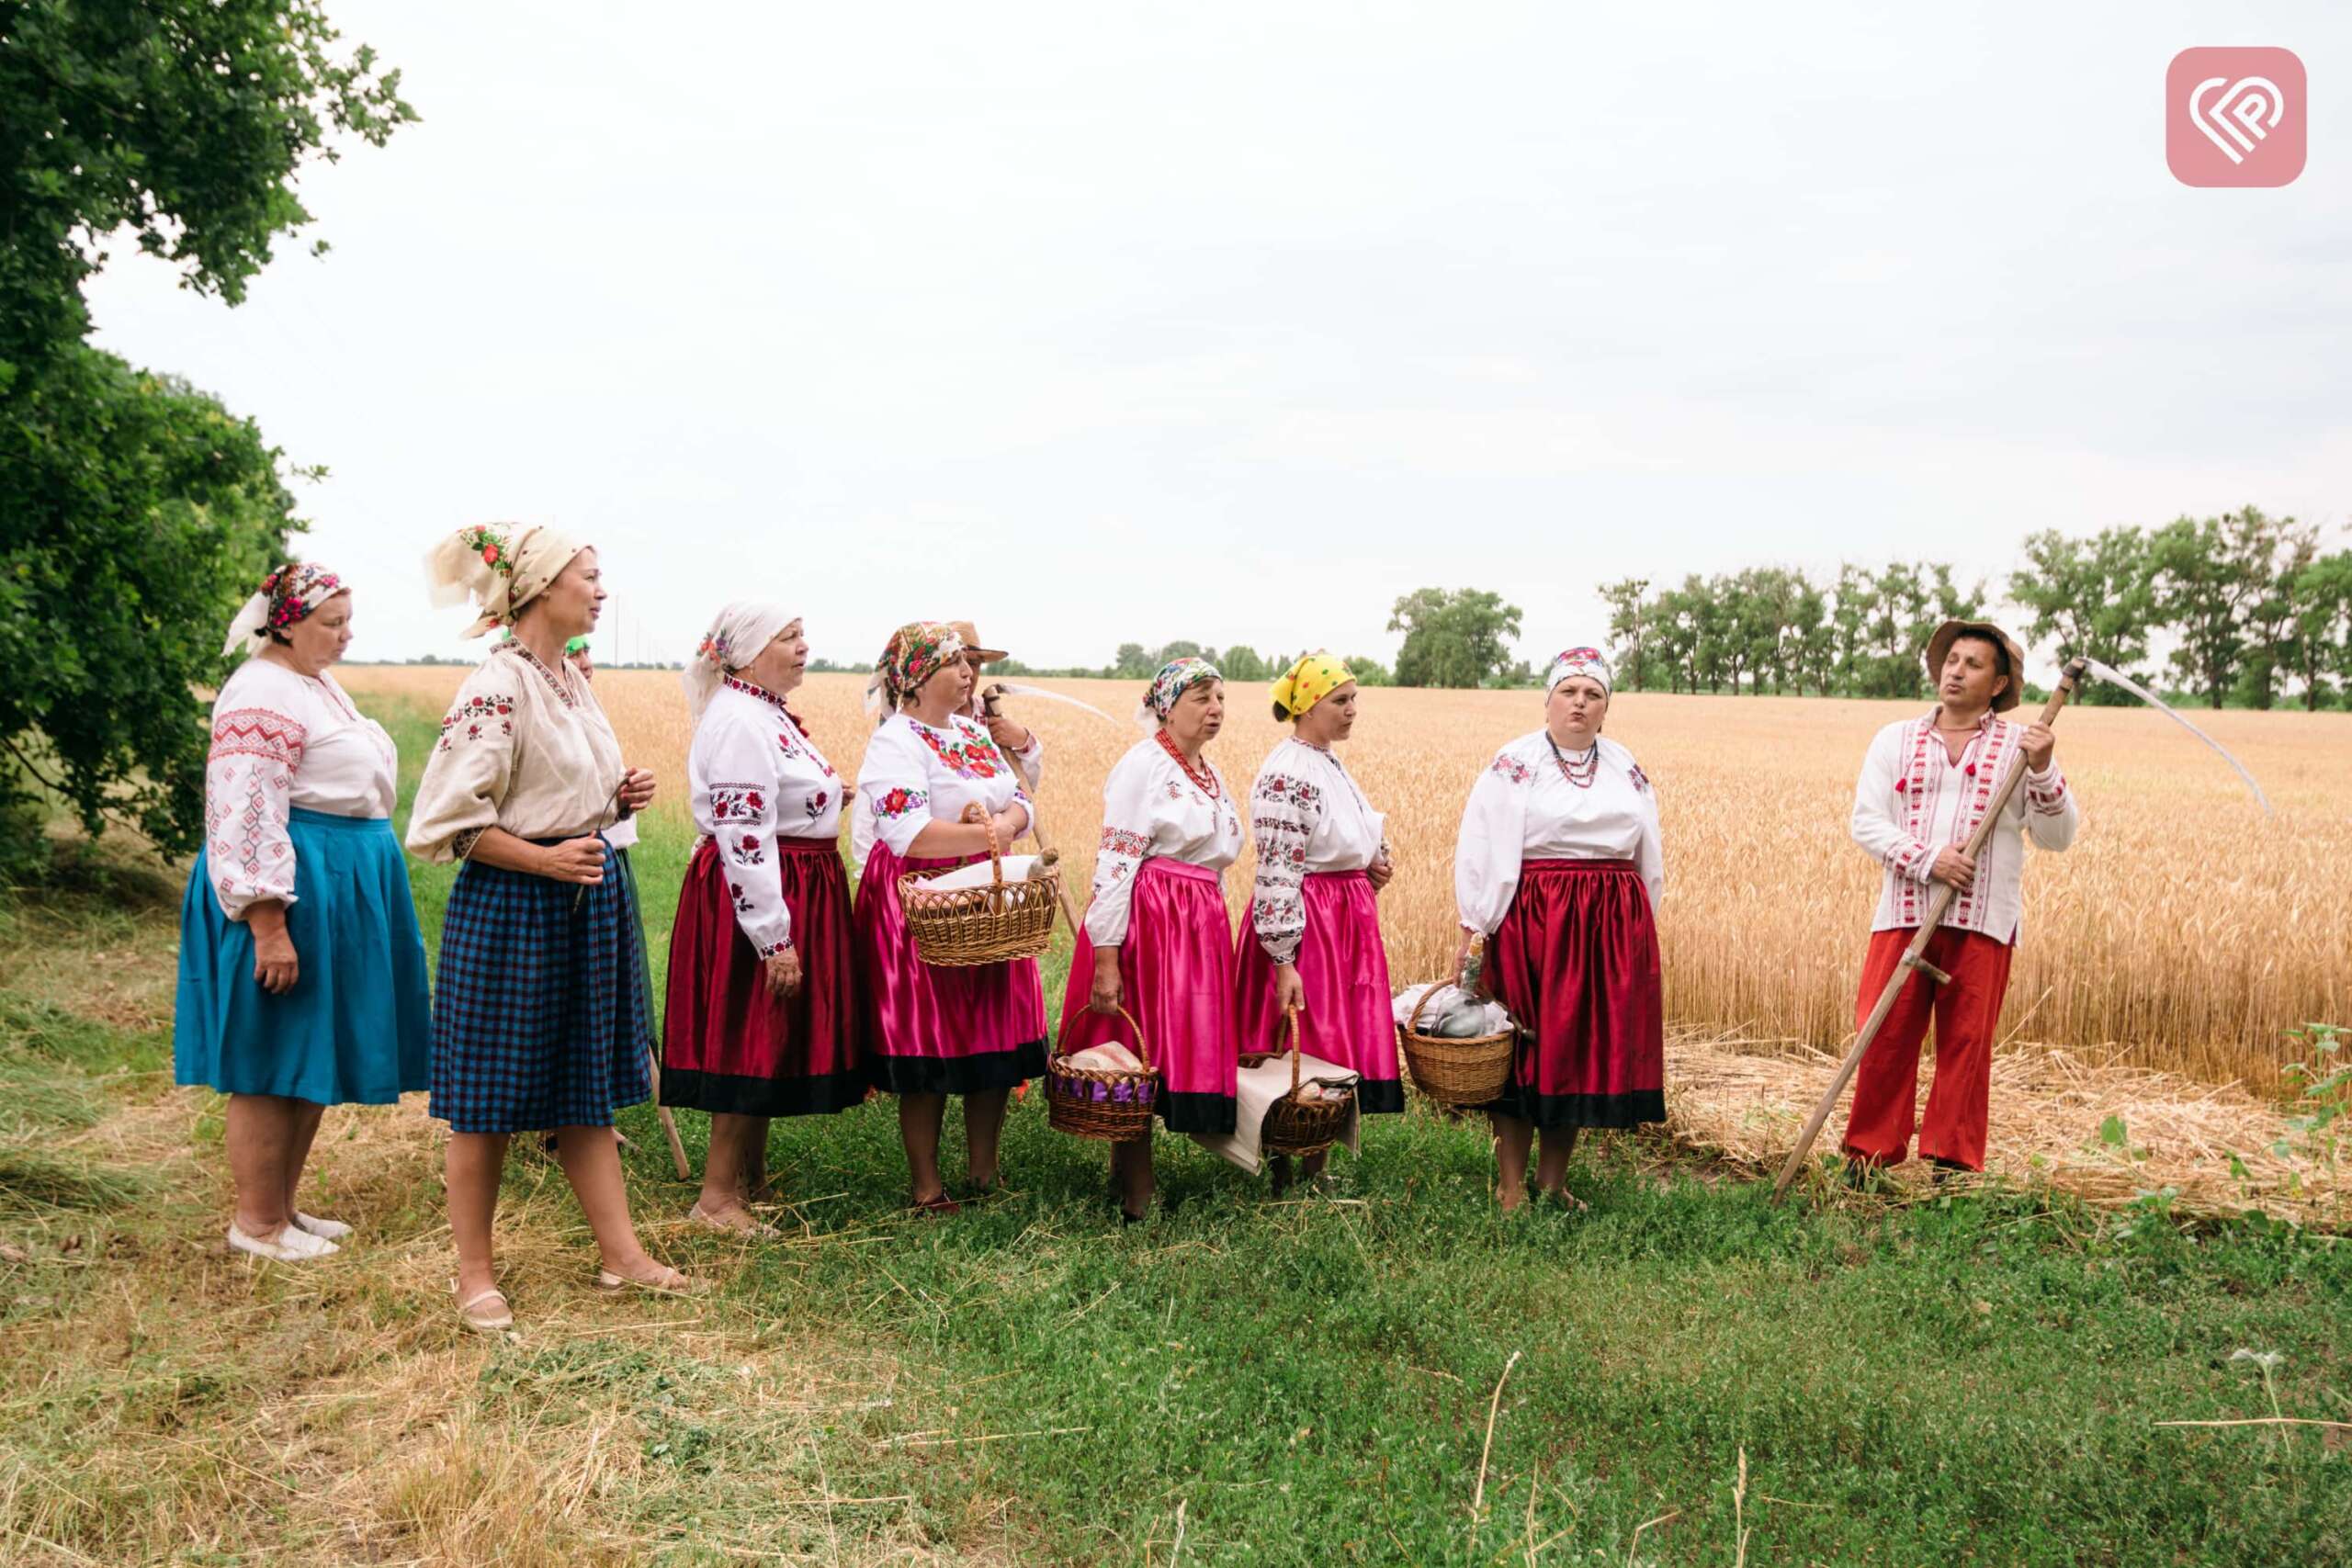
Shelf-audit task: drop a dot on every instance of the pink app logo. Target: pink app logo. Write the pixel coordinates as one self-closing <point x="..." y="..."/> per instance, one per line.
<point x="2234" y="116"/>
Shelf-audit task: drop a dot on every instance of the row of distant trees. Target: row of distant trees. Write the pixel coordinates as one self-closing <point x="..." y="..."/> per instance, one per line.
<point x="2256" y="614"/>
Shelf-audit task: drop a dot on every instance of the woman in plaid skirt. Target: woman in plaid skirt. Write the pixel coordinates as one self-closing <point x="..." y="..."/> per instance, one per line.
<point x="540" y="1015"/>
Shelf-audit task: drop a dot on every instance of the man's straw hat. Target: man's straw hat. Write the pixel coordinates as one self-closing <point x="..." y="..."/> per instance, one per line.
<point x="972" y="637"/>
<point x="1949" y="632"/>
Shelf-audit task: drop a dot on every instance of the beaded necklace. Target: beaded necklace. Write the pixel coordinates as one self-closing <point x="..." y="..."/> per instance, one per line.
<point x="1203" y="778"/>
<point x="1580" y="773"/>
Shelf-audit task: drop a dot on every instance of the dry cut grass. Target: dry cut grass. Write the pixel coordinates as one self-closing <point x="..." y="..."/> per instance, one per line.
<point x="2183" y="925"/>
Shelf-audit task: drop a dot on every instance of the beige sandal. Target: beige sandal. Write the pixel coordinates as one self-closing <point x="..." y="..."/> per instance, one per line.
<point x="614" y="1284"/>
<point x="744" y="1223"/>
<point x="484" y="1322"/>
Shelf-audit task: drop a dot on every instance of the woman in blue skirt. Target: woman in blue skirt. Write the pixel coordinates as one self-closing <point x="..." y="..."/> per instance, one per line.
<point x="540" y="1013"/>
<point x="301" y="979"/>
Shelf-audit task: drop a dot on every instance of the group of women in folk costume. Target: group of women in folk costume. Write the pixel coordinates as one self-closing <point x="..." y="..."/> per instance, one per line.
<point x="303" y="980"/>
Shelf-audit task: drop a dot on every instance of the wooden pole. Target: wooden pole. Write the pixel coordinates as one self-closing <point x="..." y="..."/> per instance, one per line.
<point x="1913" y="955"/>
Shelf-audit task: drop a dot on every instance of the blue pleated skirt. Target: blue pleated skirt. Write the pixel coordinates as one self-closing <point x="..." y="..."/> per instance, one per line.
<point x="358" y="1027"/>
<point x="540" y="1011"/>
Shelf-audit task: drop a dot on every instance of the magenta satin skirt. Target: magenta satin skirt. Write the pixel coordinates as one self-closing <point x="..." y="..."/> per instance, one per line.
<point x="1343" y="968"/>
<point x="934" y="1030"/>
<point x="1176" y="977"/>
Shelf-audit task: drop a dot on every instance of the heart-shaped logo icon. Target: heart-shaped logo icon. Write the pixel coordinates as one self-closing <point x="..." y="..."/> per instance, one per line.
<point x="2234" y="116"/>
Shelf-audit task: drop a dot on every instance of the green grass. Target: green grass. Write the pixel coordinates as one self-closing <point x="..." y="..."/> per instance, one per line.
<point x="1973" y="1379"/>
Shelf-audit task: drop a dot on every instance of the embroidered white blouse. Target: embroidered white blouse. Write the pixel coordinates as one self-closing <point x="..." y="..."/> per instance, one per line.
<point x="1151" y="809"/>
<point x="1913" y="798"/>
<point x="1525" y="807"/>
<point x="751" y="778"/>
<point x="523" y="747"/>
<point x="914" y="774"/>
<point x="1030" y="760"/>
<point x="282" y="739"/>
<point x="1307" y="815"/>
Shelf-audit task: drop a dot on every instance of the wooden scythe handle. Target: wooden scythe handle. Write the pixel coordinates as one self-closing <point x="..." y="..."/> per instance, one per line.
<point x="1913" y="955"/>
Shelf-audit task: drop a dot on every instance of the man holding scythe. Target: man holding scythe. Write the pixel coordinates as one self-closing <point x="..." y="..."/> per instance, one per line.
<point x="1925" y="788"/>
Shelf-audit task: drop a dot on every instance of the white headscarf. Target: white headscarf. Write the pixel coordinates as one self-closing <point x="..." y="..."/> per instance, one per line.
<point x="1589" y="663"/>
<point x="499" y="566"/>
<point x="738" y="636"/>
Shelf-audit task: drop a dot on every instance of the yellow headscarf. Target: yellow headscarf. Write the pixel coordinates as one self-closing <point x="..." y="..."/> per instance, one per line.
<point x="1308" y="682"/>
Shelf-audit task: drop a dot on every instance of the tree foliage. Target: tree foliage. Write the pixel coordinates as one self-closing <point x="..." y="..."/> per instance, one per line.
<point x="1454" y="636"/>
<point x="135" y="511"/>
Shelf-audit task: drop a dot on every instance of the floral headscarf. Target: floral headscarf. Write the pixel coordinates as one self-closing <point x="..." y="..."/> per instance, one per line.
<point x="740" y="634"/>
<point x="1589" y="663"/>
<point x="501" y="565"/>
<point x="916" y="652"/>
<point x="285" y="597"/>
<point x="1308" y="682"/>
<point x="1175" y="678"/>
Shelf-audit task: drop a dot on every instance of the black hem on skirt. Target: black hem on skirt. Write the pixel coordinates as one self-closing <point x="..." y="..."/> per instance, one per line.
<point x="1380" y="1097"/>
<point x="1598" y="1111"/>
<point x="743" y="1094"/>
<point x="1214" y="1114"/>
<point x="959" y="1075"/>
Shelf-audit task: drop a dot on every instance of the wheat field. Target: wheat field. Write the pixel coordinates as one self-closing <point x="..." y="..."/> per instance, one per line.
<point x="2182" y="925"/>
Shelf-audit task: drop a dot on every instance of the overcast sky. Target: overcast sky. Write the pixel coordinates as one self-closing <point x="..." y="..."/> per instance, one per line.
<point x="1235" y="321"/>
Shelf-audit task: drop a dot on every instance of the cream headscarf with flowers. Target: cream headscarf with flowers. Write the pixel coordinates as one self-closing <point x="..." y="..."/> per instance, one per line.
<point x="286" y="596"/>
<point x="1589" y="663"/>
<point x="499" y="566"/>
<point x="740" y="634"/>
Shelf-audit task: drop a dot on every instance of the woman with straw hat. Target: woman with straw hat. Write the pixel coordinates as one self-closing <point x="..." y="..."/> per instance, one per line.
<point x="539" y="1014"/>
<point x="763" y="1017"/>
<point x="1312" y="938"/>
<point x="302" y="970"/>
<point x="1156" y="938"/>
<point x="1558" y="871"/>
<point x="937" y="786"/>
<point x="1021" y="745"/>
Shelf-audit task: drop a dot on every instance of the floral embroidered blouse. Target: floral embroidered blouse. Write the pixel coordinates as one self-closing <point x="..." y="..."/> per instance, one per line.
<point x="282" y="740"/>
<point x="1151" y="809"/>
<point x="1307" y="815"/>
<point x="1030" y="760"/>
<point x="753" y="777"/>
<point x="915" y="773"/>
<point x="524" y="747"/>
<point x="1913" y="799"/>
<point x="1524" y="806"/>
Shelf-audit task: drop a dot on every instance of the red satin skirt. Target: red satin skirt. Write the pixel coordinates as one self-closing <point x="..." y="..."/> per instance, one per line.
<point x="940" y="1030"/>
<point x="730" y="1047"/>
<point x="1176" y="977"/>
<point x="1576" y="961"/>
<point x="1343" y="968"/>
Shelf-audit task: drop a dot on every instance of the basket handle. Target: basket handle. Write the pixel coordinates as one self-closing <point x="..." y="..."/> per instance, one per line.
<point x="1290" y="1021"/>
<point x="975" y="811"/>
<point x="1412" y="1025"/>
<point x="1070" y="1016"/>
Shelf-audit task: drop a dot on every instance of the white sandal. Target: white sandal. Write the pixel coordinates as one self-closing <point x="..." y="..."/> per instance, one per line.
<point x="292" y="1244"/>
<point x="325" y="1230"/>
<point x="484" y="1322"/>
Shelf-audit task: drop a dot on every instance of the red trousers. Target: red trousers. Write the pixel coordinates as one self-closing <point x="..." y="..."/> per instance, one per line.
<point x="1965" y="1013"/>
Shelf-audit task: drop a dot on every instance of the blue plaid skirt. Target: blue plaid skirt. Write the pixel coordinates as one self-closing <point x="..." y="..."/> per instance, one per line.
<point x="539" y="1008"/>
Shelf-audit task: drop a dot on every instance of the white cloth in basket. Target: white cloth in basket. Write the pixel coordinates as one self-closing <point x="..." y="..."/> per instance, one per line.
<point x="1409" y="1003"/>
<point x="1255" y="1089"/>
<point x="1108" y="1057"/>
<point x="1017" y="868"/>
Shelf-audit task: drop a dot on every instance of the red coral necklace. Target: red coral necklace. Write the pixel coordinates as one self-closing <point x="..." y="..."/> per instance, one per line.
<point x="1203" y="777"/>
<point x="1580" y="773"/>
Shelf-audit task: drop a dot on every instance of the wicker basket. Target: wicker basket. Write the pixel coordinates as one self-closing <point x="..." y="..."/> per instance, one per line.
<point x="1109" y="1103"/>
<point x="1296" y="1126"/>
<point x="1457" y="1072"/>
<point x="980" y="925"/>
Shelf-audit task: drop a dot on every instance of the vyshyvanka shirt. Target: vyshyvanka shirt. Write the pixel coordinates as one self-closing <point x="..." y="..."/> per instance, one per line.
<point x="1913" y="799"/>
<point x="1534" y="802"/>
<point x="753" y="777"/>
<point x="915" y="773"/>
<point x="1030" y="760"/>
<point x="1307" y="815"/>
<point x="1152" y="808"/>
<point x="523" y="747"/>
<point x="282" y="739"/>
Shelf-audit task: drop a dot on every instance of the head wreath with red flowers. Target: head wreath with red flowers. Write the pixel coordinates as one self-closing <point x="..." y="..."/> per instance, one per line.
<point x="286" y="597"/>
